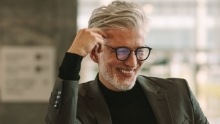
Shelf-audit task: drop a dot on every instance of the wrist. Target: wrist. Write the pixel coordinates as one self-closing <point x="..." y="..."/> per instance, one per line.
<point x="70" y="66"/>
<point x="77" y="51"/>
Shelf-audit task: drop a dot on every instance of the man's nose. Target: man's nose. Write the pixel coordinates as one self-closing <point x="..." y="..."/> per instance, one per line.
<point x="132" y="60"/>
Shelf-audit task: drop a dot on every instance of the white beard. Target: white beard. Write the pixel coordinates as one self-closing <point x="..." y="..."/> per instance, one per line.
<point x="121" y="85"/>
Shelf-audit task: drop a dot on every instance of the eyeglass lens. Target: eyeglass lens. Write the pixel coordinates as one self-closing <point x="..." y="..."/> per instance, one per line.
<point x="122" y="53"/>
<point x="141" y="53"/>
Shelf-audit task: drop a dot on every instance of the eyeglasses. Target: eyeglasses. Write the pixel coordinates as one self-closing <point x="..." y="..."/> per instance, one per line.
<point x="122" y="53"/>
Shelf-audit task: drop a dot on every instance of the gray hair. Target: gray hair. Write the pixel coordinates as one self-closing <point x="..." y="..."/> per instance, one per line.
<point x="118" y="14"/>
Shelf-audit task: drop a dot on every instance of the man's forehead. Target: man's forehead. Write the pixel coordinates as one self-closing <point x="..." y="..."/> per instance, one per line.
<point x="124" y="33"/>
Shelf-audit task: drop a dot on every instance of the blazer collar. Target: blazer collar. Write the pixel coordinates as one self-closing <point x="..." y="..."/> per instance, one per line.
<point x="97" y="103"/>
<point x="157" y="99"/>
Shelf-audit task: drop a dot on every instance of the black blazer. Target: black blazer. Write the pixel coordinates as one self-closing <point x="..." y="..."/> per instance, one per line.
<point x="171" y="101"/>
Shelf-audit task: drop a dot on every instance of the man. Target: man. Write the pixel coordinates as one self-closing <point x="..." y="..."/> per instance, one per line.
<point x="115" y="40"/>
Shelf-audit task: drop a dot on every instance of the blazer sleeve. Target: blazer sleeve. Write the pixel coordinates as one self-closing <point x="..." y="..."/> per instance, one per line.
<point x="63" y="100"/>
<point x="199" y="117"/>
<point x="63" y="103"/>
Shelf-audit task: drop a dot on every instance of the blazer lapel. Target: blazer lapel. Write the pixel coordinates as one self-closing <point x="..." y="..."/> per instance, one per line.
<point x="157" y="100"/>
<point x="98" y="105"/>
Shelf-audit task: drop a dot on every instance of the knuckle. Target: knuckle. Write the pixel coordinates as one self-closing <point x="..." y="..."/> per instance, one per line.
<point x="83" y="30"/>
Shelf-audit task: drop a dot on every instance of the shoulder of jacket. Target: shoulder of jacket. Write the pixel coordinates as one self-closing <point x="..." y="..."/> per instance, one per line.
<point x="163" y="80"/>
<point x="169" y="85"/>
<point x="160" y="78"/>
<point x="84" y="87"/>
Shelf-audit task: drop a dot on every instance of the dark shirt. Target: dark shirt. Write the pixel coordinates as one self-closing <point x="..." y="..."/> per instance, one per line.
<point x="128" y="107"/>
<point x="125" y="107"/>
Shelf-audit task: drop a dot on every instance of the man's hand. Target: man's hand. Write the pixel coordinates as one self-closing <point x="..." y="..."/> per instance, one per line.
<point x="87" y="39"/>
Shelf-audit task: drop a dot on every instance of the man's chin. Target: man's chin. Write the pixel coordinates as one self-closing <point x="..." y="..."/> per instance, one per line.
<point x="124" y="85"/>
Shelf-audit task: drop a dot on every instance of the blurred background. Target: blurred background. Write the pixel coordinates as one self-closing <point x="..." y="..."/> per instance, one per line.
<point x="34" y="35"/>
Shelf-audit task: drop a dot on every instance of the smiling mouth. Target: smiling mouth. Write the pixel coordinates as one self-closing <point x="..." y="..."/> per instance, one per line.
<point x="127" y="72"/>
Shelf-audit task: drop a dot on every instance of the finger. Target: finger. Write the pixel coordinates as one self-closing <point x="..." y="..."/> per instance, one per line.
<point x="99" y="48"/>
<point x="98" y="38"/>
<point x="100" y="32"/>
<point x="99" y="43"/>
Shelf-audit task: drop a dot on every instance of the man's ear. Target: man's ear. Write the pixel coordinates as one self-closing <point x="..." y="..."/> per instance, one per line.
<point x="94" y="55"/>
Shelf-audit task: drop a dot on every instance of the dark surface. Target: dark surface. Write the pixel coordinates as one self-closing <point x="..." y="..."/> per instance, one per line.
<point x="35" y="23"/>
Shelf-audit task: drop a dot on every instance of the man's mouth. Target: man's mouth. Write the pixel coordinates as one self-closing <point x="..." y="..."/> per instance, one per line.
<point x="127" y="72"/>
